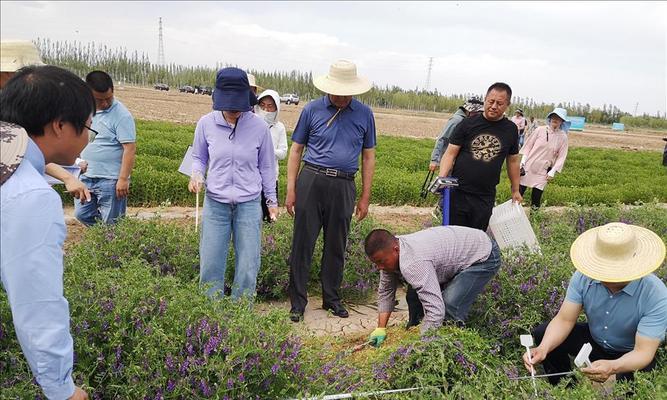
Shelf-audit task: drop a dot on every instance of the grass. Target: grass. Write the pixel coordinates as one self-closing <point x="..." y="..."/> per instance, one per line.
<point x="590" y="176"/>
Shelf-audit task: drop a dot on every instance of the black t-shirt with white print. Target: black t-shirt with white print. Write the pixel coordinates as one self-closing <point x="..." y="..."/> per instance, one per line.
<point x="484" y="146"/>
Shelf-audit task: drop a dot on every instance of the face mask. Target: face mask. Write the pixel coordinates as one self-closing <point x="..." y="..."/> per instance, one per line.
<point x="269" y="117"/>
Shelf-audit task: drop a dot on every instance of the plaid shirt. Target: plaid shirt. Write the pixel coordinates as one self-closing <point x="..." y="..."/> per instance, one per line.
<point x="430" y="259"/>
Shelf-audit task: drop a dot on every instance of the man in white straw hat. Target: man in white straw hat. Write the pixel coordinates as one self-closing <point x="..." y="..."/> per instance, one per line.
<point x="46" y="112"/>
<point x="624" y="303"/>
<point x="335" y="129"/>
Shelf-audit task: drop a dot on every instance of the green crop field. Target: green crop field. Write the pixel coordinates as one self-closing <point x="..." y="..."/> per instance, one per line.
<point x="590" y="176"/>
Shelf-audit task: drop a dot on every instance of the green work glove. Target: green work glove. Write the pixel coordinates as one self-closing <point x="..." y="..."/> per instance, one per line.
<point x="378" y="336"/>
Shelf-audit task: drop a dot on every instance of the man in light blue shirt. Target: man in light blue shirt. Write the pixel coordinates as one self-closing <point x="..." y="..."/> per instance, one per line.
<point x="54" y="109"/>
<point x="624" y="303"/>
<point x="110" y="155"/>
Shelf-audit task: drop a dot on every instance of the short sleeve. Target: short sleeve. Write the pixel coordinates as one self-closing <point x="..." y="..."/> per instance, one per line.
<point x="369" y="135"/>
<point x="514" y="144"/>
<point x="302" y="129"/>
<point x="458" y="135"/>
<point x="654" y="323"/>
<point x="575" y="292"/>
<point x="126" y="131"/>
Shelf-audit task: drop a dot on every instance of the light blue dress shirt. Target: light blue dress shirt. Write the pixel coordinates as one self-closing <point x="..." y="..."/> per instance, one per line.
<point x="32" y="233"/>
<point x="104" y="154"/>
<point x="615" y="318"/>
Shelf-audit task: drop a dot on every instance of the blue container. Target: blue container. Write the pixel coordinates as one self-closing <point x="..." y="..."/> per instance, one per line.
<point x="577" y="123"/>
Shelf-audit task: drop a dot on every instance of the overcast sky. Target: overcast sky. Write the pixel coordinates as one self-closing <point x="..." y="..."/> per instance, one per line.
<point x="597" y="52"/>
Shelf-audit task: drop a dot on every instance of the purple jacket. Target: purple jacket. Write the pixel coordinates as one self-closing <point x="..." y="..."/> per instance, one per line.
<point x="240" y="168"/>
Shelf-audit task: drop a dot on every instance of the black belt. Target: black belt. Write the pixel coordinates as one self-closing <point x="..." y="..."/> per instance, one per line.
<point x="334" y="173"/>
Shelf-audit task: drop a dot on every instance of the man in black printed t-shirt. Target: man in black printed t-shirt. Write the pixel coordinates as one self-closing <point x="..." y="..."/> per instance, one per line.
<point x="478" y="147"/>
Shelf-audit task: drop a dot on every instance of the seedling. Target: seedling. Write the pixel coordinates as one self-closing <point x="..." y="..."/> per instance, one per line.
<point x="527" y="342"/>
<point x="582" y="359"/>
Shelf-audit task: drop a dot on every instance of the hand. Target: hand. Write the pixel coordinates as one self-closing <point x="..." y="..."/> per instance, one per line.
<point x="290" y="201"/>
<point x="273" y="213"/>
<point x="79" y="394"/>
<point x="84" y="166"/>
<point x="517" y="198"/>
<point x="196" y="182"/>
<point x="378" y="336"/>
<point x="122" y="188"/>
<point x="537" y="354"/>
<point x="432" y="166"/>
<point x="77" y="189"/>
<point x="600" y="370"/>
<point x="362" y="208"/>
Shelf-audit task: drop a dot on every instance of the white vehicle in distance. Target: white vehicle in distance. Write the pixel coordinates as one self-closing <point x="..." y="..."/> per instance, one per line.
<point x="289" y="98"/>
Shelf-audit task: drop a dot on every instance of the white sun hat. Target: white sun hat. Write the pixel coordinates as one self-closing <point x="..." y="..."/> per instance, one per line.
<point x="342" y="80"/>
<point x="617" y="252"/>
<point x="16" y="54"/>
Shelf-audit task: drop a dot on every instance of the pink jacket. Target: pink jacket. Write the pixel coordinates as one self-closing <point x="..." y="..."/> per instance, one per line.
<point x="544" y="150"/>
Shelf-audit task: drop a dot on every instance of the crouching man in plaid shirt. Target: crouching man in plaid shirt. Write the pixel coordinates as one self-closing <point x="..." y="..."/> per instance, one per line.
<point x="448" y="266"/>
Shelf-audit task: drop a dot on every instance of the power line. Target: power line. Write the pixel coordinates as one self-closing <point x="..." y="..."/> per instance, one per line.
<point x="160" y="48"/>
<point x="427" y="86"/>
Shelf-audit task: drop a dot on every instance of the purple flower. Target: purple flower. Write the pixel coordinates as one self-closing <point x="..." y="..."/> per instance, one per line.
<point x="171" y="385"/>
<point x="241" y="377"/>
<point x="274" y="369"/>
<point x="169" y="363"/>
<point x="204" y="388"/>
<point x="230" y="383"/>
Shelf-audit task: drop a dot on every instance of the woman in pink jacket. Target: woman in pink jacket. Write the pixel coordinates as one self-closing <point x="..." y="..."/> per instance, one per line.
<point x="544" y="154"/>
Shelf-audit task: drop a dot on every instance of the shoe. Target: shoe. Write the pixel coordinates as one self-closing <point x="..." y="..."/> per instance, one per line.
<point x="337" y="310"/>
<point x="296" y="316"/>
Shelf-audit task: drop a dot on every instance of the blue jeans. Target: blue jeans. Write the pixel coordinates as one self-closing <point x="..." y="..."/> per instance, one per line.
<point x="242" y="223"/>
<point x="103" y="205"/>
<point x="462" y="291"/>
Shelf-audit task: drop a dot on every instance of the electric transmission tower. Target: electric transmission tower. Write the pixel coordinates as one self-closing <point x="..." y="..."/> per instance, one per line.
<point x="160" y="48"/>
<point x="428" y="75"/>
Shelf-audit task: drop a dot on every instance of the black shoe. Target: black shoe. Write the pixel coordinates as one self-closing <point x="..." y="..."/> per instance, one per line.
<point x="337" y="310"/>
<point x="296" y="316"/>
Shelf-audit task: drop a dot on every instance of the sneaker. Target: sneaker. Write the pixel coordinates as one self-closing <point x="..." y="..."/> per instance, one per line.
<point x="296" y="316"/>
<point x="337" y="310"/>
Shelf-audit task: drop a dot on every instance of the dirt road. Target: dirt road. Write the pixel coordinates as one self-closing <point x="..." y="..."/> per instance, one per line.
<point x="154" y="105"/>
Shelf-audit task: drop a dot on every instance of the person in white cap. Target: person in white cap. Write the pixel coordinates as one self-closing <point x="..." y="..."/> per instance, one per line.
<point x="335" y="130"/>
<point x="14" y="55"/>
<point x="268" y="108"/>
<point x="544" y="155"/>
<point x="624" y="303"/>
<point x="46" y="112"/>
<point x="472" y="106"/>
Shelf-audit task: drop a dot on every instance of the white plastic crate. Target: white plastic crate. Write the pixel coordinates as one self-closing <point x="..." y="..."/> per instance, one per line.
<point x="510" y="227"/>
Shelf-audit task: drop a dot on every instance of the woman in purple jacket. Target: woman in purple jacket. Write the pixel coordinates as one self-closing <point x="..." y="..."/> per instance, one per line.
<point x="236" y="146"/>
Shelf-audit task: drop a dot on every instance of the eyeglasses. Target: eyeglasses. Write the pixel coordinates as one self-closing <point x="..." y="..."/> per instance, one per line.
<point x="91" y="129"/>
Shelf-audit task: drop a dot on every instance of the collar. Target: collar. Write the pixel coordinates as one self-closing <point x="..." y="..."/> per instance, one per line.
<point x="114" y="103"/>
<point x="629" y="289"/>
<point x="327" y="103"/>
<point x="220" y="120"/>
<point x="35" y="156"/>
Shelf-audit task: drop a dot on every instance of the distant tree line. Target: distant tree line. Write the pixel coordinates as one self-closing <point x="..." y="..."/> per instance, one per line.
<point x="136" y="68"/>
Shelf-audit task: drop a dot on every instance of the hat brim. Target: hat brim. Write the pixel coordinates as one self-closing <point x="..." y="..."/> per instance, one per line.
<point x="14" y="141"/>
<point x="224" y="100"/>
<point x="354" y="87"/>
<point x="648" y="256"/>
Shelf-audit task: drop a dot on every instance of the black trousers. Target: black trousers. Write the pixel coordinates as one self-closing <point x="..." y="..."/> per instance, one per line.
<point x="465" y="209"/>
<point x="265" y="209"/>
<point x="326" y="203"/>
<point x="559" y="358"/>
<point x="535" y="195"/>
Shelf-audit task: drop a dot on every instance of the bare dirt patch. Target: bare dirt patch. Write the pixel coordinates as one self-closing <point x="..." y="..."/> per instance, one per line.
<point x="172" y="106"/>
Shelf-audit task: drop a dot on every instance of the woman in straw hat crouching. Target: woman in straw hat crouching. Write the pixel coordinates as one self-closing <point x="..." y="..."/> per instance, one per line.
<point x="624" y="303"/>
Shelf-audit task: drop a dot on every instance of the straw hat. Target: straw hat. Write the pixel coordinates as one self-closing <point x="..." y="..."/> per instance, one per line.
<point x="342" y="80"/>
<point x="253" y="83"/>
<point x="16" y="54"/>
<point x="617" y="252"/>
<point x="14" y="141"/>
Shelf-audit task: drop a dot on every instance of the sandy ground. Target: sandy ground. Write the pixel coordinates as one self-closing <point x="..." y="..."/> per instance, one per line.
<point x="154" y="105"/>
